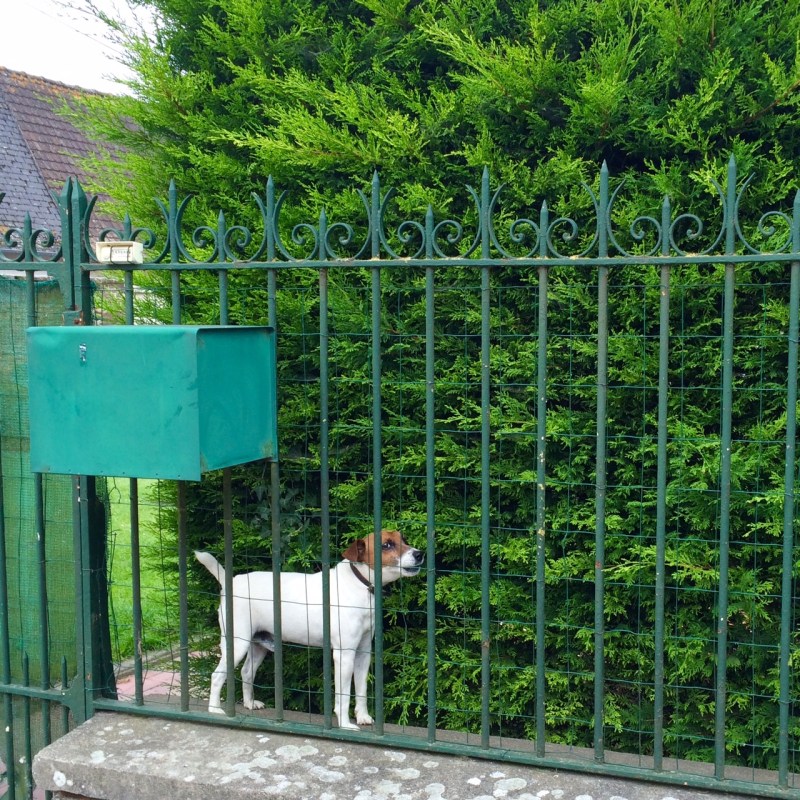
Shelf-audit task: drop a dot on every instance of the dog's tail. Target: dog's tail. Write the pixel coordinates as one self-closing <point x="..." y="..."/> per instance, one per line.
<point x="212" y="565"/>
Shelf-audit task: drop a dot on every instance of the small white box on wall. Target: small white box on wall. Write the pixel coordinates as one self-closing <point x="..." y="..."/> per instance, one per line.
<point x="119" y="252"/>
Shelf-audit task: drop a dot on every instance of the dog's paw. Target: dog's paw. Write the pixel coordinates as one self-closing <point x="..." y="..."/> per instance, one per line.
<point x="363" y="718"/>
<point x="215" y="710"/>
<point x="254" y="705"/>
<point x="347" y="725"/>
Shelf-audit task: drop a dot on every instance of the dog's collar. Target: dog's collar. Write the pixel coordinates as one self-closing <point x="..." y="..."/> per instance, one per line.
<point x="363" y="580"/>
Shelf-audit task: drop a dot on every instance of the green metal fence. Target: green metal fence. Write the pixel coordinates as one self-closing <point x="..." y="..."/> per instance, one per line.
<point x="589" y="426"/>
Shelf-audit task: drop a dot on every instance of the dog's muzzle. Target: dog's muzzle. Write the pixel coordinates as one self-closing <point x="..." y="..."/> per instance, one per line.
<point x="416" y="557"/>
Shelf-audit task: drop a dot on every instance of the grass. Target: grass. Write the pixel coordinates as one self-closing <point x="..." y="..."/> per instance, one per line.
<point x="157" y="596"/>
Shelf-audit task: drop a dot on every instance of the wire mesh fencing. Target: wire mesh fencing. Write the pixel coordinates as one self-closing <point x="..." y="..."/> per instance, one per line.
<point x="659" y="530"/>
<point x="592" y="445"/>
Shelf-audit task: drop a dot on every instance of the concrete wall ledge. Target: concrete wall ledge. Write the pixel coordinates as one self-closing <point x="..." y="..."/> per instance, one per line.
<point x="117" y="756"/>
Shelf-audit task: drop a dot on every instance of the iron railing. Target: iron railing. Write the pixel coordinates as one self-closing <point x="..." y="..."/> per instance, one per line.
<point x="490" y="240"/>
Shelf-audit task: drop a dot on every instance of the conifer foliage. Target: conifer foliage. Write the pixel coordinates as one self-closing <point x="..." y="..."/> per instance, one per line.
<point x="321" y="93"/>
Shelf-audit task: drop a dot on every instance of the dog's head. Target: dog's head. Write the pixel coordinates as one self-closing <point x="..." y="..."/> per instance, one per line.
<point x="398" y="558"/>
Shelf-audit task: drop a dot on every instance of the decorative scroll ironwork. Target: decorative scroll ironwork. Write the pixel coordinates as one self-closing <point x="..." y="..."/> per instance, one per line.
<point x="484" y="235"/>
<point x="27" y="243"/>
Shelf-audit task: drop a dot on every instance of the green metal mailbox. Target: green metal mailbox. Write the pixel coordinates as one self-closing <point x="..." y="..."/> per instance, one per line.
<point x="151" y="401"/>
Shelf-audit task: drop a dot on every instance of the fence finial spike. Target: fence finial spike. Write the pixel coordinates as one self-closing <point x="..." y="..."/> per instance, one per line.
<point x="62" y="199"/>
<point x="732" y="170"/>
<point x="485" y="181"/>
<point x="77" y="189"/>
<point x="376" y="189"/>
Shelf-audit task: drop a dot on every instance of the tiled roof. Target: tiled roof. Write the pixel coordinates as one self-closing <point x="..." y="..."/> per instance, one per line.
<point x="39" y="148"/>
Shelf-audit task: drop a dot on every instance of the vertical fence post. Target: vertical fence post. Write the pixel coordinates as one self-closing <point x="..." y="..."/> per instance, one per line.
<point x="77" y="252"/>
<point x="173" y="224"/>
<point x="485" y="466"/>
<point x="183" y="605"/>
<point x="541" y="477"/>
<point x="136" y="592"/>
<point x="661" y="493"/>
<point x="81" y="686"/>
<point x="183" y="598"/>
<point x="63" y="269"/>
<point x="325" y="499"/>
<point x="227" y="516"/>
<point x="377" y="446"/>
<point x="5" y="650"/>
<point x="600" y="467"/>
<point x="136" y="564"/>
<point x="41" y="533"/>
<point x="789" y="504"/>
<point x="274" y="469"/>
<point x="430" y="473"/>
<point x="26" y="725"/>
<point x="227" y="509"/>
<point x="721" y="685"/>
<point x="94" y="640"/>
<point x="222" y="278"/>
<point x="227" y="610"/>
<point x="377" y="493"/>
<point x="176" y="296"/>
<point x="67" y="277"/>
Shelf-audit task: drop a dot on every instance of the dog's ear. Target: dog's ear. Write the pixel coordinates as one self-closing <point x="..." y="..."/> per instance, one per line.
<point x="356" y="551"/>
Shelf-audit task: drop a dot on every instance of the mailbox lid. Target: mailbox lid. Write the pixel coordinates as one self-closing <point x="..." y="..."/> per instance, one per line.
<point x="126" y="400"/>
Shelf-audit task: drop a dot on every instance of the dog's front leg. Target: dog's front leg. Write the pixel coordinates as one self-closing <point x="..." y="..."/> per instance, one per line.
<point x="343" y="665"/>
<point x="217" y="682"/>
<point x="361" y="671"/>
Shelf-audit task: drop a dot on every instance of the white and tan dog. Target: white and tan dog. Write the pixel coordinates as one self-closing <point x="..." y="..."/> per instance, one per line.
<point x="352" y="618"/>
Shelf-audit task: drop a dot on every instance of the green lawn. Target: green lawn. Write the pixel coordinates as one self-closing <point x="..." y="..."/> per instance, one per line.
<point x="158" y="598"/>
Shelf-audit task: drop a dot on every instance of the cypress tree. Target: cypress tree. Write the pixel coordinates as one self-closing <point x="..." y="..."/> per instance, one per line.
<point x="320" y="94"/>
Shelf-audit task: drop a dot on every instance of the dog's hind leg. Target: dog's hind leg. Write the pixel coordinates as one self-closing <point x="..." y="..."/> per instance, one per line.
<point x="363" y="657"/>
<point x="255" y="655"/>
<point x="220" y="674"/>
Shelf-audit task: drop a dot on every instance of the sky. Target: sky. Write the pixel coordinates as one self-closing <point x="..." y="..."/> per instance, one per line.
<point x="55" y="39"/>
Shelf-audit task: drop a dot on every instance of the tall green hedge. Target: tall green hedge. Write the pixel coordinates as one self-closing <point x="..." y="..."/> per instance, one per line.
<point x="320" y="94"/>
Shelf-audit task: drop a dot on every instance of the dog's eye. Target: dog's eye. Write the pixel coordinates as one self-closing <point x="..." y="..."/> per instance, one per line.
<point x="388" y="545"/>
